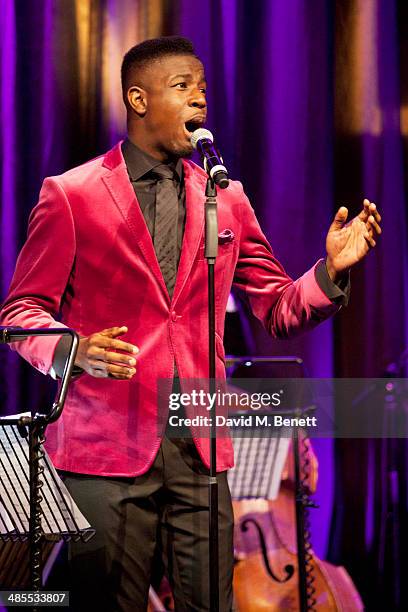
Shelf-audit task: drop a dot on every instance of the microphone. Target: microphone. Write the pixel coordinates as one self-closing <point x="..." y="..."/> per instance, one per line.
<point x="203" y="141"/>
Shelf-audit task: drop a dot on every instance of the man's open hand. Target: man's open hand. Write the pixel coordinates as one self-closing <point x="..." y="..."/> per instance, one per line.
<point x="348" y="243"/>
<point x="98" y="355"/>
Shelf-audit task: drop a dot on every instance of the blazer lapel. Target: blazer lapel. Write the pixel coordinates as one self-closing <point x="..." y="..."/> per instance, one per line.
<point x="122" y="193"/>
<point x="195" y="198"/>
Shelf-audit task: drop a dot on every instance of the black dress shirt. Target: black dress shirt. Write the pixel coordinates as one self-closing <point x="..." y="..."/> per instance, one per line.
<point x="139" y="166"/>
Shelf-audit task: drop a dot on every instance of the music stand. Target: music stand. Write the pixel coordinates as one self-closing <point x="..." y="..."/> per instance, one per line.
<point x="258" y="486"/>
<point x="36" y="509"/>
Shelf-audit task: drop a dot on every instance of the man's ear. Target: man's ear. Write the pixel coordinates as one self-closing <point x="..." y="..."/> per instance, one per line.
<point x="137" y="100"/>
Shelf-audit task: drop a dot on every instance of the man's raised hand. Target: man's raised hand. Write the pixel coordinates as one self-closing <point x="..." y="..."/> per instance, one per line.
<point x="348" y="243"/>
<point x="104" y="356"/>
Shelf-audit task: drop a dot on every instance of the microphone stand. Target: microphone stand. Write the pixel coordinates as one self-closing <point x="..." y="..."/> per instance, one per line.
<point x="211" y="251"/>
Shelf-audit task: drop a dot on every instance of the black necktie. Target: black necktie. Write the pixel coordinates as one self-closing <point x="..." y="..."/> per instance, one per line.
<point x="165" y="225"/>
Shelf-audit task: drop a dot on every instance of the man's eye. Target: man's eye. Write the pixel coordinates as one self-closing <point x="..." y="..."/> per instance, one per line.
<point x="182" y="85"/>
<point x="203" y="90"/>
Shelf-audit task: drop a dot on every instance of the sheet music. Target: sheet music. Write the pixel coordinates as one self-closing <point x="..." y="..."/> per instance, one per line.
<point x="60" y="514"/>
<point x="5" y="524"/>
<point x="259" y="464"/>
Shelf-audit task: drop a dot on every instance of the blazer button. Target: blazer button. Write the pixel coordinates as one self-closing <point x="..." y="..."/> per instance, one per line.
<point x="174" y="316"/>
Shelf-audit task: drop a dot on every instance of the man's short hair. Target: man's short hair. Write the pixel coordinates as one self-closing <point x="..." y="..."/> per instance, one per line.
<point x="148" y="51"/>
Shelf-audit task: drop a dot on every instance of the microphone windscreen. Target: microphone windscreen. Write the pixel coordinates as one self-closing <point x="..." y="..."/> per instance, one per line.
<point x="200" y="134"/>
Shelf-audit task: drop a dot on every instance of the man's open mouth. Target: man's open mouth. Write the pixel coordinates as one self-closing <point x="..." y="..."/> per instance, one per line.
<point x="193" y="124"/>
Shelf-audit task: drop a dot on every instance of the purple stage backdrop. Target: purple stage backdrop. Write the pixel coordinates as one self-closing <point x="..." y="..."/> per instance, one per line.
<point x="310" y="109"/>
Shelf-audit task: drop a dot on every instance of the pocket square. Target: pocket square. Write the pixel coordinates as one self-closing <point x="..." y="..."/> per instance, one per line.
<point x="226" y="236"/>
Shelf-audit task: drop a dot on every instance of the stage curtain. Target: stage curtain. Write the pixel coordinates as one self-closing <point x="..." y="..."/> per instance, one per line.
<point x="308" y="101"/>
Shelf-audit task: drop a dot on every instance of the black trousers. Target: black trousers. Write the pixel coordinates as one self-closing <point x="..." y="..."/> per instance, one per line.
<point x="161" y="514"/>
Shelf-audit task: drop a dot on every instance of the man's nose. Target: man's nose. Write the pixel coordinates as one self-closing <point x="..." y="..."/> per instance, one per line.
<point x="198" y="99"/>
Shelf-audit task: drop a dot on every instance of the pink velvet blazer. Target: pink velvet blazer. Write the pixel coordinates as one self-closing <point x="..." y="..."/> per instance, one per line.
<point x="90" y="263"/>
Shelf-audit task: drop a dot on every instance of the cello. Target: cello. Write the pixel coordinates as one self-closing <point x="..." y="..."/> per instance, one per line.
<point x="267" y="569"/>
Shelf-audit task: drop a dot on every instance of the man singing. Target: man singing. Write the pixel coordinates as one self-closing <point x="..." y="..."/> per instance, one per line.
<point x="115" y="250"/>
